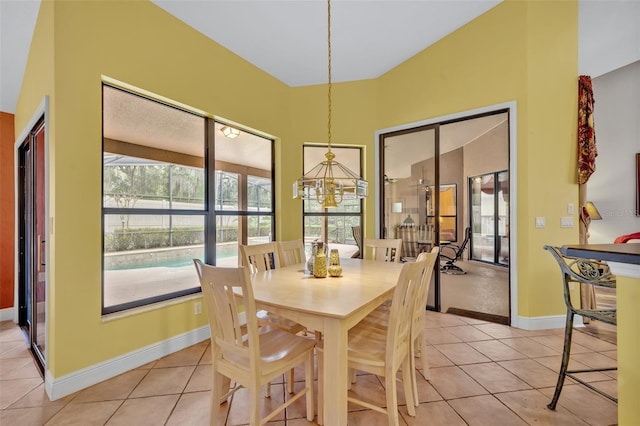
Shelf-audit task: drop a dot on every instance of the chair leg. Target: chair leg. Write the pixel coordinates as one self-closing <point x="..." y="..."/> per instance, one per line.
<point x="308" y="378"/>
<point x="422" y="352"/>
<point x="412" y="369"/>
<point x="568" y="331"/>
<point x="423" y="357"/>
<point x="254" y="405"/>
<point x="290" y="381"/>
<point x="215" y="397"/>
<point x="320" y="363"/>
<point x="392" y="398"/>
<point x="408" y="374"/>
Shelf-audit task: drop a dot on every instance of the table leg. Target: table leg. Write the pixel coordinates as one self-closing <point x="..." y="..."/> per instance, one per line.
<point x="335" y="373"/>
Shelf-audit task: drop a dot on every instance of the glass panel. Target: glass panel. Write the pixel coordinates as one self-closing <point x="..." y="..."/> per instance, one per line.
<point x="338" y="231"/>
<point x="503" y="217"/>
<point x="226" y="191"/>
<point x="259" y="229"/>
<point x="150" y="255"/>
<point x="227" y="239"/>
<point x="259" y="194"/>
<point x="483" y="220"/>
<point x="40" y="290"/>
<point x="409" y="167"/>
<point x="131" y="182"/>
<point x="448" y="210"/>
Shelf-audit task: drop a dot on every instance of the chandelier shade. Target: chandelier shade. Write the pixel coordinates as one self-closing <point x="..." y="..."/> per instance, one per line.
<point x="330" y="183"/>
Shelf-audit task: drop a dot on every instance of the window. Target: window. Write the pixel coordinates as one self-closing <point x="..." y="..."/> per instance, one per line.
<point x="162" y="207"/>
<point x="244" y="198"/>
<point x="489" y="196"/>
<point x="333" y="225"/>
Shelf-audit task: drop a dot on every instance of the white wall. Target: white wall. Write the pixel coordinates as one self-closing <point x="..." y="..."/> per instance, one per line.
<point x="612" y="187"/>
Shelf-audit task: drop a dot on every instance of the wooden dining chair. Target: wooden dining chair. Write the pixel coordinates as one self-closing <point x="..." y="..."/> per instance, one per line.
<point x="240" y="353"/>
<point x="384" y="250"/>
<point x="379" y="320"/>
<point x="291" y="252"/>
<point x="260" y="258"/>
<point x="384" y="354"/>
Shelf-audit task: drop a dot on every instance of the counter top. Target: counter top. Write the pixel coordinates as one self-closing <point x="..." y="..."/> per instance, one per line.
<point x="622" y="253"/>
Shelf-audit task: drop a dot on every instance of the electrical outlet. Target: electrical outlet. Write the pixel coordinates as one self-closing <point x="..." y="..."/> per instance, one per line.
<point x="197" y="308"/>
<point x="540" y="222"/>
<point x="570" y="208"/>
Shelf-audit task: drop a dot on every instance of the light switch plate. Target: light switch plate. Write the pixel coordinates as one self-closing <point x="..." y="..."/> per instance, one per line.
<point x="570" y="208"/>
<point x="540" y="222"/>
<point x="566" y="222"/>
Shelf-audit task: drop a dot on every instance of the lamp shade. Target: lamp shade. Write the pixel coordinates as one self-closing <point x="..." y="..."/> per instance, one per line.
<point x="594" y="214"/>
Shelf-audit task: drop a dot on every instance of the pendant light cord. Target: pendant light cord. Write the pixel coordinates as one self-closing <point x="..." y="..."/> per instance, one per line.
<point x="329" y="71"/>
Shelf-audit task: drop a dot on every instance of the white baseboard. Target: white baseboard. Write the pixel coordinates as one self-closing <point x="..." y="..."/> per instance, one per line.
<point x="544" y="323"/>
<point x="6" y="314"/>
<point x="59" y="387"/>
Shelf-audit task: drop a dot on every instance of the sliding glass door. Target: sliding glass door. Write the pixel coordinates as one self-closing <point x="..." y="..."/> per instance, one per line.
<point x="33" y="242"/>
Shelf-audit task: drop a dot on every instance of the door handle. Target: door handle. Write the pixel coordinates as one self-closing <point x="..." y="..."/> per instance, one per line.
<point x="41" y="247"/>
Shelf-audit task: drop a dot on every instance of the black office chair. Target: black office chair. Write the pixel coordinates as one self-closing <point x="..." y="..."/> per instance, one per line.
<point x="453" y="253"/>
<point x="582" y="271"/>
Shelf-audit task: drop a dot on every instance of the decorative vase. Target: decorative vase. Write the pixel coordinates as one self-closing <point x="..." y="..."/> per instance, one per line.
<point x="335" y="270"/>
<point x="314" y="251"/>
<point x="320" y="262"/>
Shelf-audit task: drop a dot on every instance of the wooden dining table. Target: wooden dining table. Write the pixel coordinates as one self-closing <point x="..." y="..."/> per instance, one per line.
<point x="329" y="305"/>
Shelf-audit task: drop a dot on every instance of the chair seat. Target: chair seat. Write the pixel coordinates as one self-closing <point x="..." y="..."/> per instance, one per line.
<point x="277" y="347"/>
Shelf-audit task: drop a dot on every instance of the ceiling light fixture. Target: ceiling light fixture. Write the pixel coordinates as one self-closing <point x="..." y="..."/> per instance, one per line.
<point x="230" y="132"/>
<point x="330" y="183"/>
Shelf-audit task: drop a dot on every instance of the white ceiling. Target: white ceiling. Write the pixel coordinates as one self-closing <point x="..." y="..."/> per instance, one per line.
<point x="287" y="39"/>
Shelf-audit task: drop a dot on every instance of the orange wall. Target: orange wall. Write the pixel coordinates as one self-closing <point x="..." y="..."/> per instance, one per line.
<point x="6" y="210"/>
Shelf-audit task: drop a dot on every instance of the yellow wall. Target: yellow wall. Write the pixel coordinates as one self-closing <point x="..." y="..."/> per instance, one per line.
<point x="140" y="44"/>
<point x="522" y="51"/>
<point x="518" y="51"/>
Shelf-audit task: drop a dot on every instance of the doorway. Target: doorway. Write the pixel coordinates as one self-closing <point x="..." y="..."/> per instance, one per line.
<point x="32" y="241"/>
<point x="426" y="199"/>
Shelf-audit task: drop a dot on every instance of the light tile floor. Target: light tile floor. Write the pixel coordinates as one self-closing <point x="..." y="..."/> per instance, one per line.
<point x="481" y="374"/>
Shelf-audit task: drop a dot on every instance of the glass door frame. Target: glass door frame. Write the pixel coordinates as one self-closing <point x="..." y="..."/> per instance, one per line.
<point x="32" y="240"/>
<point x="382" y="231"/>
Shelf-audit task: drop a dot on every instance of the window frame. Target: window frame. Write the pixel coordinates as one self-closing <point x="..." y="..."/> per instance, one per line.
<point x="208" y="211"/>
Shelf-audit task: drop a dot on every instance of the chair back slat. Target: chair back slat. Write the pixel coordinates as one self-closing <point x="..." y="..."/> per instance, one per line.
<point x="291" y="252"/>
<point x="260" y="257"/>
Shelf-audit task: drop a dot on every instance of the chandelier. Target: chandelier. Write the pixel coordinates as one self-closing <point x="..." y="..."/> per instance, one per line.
<point x="330" y="183"/>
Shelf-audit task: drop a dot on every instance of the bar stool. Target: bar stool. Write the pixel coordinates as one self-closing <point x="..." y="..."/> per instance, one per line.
<point x="581" y="271"/>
